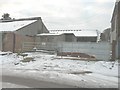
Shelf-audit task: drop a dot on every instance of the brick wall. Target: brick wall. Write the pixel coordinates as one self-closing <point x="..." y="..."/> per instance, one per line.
<point x="8" y="41"/>
<point x="19" y="39"/>
<point x="13" y="42"/>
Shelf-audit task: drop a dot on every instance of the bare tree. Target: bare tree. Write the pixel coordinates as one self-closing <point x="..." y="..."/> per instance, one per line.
<point x="6" y="16"/>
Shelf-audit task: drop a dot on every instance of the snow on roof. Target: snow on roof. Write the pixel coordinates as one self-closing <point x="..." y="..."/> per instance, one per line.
<point x="48" y="34"/>
<point x="14" y="25"/>
<point x="86" y="33"/>
<point x="77" y="33"/>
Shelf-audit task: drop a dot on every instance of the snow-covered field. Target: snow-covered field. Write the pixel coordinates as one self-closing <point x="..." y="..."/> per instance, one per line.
<point x="73" y="72"/>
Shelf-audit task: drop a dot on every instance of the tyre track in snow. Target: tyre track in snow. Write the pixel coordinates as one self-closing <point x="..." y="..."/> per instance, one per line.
<point x="30" y="82"/>
<point x="98" y="82"/>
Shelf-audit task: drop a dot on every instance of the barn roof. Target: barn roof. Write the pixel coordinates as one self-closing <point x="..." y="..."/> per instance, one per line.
<point x="77" y="33"/>
<point x="14" y="25"/>
<point x="48" y="34"/>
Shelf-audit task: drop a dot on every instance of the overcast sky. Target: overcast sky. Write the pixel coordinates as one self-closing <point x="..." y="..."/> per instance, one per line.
<point x="63" y="14"/>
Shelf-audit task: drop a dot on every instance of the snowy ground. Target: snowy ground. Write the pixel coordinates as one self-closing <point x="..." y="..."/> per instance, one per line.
<point x="10" y="85"/>
<point x="90" y="74"/>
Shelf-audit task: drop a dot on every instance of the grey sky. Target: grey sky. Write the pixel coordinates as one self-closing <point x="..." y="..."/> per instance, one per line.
<point x="63" y="14"/>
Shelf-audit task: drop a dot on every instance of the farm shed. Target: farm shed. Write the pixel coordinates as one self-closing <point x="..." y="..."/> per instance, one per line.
<point x="15" y="32"/>
<point x="69" y="36"/>
<point x="54" y="37"/>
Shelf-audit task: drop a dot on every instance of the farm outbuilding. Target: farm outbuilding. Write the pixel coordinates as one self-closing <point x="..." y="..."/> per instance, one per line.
<point x="54" y="37"/>
<point x="15" y="32"/>
<point x="70" y="36"/>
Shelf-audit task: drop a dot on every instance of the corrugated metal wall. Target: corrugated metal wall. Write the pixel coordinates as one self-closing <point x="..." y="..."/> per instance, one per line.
<point x="100" y="50"/>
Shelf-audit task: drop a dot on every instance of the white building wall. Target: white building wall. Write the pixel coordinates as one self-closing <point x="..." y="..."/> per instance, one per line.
<point x="117" y="0"/>
<point x="113" y="33"/>
<point x="0" y="41"/>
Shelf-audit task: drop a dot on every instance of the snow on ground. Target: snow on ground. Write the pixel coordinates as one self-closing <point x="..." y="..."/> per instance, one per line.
<point x="49" y="67"/>
<point x="11" y="85"/>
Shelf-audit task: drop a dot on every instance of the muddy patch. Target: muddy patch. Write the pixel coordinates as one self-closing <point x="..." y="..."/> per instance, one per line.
<point x="80" y="72"/>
